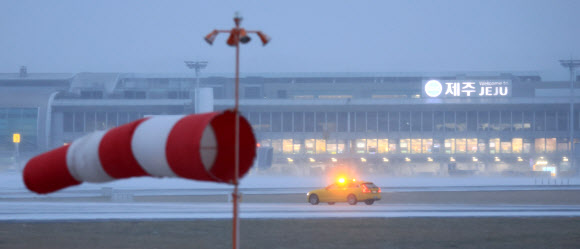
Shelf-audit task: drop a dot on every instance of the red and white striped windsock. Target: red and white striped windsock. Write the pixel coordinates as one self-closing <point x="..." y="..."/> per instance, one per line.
<point x="197" y="147"/>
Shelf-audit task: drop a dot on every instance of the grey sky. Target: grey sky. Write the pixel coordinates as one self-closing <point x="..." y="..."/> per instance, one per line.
<point x="146" y="36"/>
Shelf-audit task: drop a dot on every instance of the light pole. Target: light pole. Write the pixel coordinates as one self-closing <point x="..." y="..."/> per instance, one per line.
<point x="197" y="65"/>
<point x="237" y="35"/>
<point x="16" y="141"/>
<point x="572" y="65"/>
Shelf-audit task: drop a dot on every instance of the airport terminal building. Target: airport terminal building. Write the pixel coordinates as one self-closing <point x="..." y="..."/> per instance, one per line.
<point x="398" y="123"/>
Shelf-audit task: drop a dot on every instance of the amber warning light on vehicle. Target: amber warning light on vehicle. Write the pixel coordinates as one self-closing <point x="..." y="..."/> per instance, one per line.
<point x="342" y="180"/>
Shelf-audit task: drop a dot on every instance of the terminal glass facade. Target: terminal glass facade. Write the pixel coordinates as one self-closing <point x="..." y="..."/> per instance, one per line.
<point x="440" y="132"/>
<point x="18" y="120"/>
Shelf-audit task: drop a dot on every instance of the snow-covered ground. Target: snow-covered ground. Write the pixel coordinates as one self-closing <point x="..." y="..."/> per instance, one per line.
<point x="14" y="211"/>
<point x="12" y="181"/>
<point x="12" y="187"/>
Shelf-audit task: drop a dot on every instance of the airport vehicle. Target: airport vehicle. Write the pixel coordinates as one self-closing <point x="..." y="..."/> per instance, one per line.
<point x="346" y="191"/>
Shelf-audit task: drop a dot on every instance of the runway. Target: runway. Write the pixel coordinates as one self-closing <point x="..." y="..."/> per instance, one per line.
<point x="413" y="213"/>
<point x="70" y="211"/>
<point x="284" y="197"/>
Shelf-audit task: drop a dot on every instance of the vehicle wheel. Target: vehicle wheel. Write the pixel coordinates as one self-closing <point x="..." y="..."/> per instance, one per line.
<point x="313" y="199"/>
<point x="369" y="202"/>
<point x="351" y="199"/>
<point x="331" y="203"/>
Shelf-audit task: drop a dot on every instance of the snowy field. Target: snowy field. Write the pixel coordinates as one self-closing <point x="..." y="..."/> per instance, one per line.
<point x="133" y="211"/>
<point x="12" y="181"/>
<point x="17" y="203"/>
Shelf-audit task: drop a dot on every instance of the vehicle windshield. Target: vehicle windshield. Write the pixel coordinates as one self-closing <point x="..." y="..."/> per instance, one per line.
<point x="353" y="185"/>
<point x="332" y="186"/>
<point x="370" y="185"/>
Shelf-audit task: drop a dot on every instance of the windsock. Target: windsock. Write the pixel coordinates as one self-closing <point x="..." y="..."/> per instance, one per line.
<point x="198" y="147"/>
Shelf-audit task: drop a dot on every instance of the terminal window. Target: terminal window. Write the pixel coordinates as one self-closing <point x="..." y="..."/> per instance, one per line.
<point x="331" y="122"/>
<point x="427" y="146"/>
<point x="18" y="120"/>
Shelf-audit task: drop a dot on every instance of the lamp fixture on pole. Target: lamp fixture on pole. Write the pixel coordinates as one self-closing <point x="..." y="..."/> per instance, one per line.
<point x="197" y="66"/>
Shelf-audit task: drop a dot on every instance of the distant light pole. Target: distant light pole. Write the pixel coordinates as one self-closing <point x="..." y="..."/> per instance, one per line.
<point x="16" y="141"/>
<point x="237" y="35"/>
<point x="572" y="65"/>
<point x="197" y="65"/>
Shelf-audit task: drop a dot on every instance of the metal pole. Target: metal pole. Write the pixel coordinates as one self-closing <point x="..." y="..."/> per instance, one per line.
<point x="197" y="109"/>
<point x="17" y="155"/>
<point x="235" y="35"/>
<point x="573" y="156"/>
<point x="236" y="232"/>
<point x="572" y="65"/>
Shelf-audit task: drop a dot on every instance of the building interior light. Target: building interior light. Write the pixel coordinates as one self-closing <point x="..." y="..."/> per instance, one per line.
<point x="311" y="160"/>
<point x="385" y="159"/>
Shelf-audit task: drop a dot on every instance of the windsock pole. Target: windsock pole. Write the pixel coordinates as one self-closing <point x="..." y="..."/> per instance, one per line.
<point x="237" y="35"/>
<point x="236" y="221"/>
